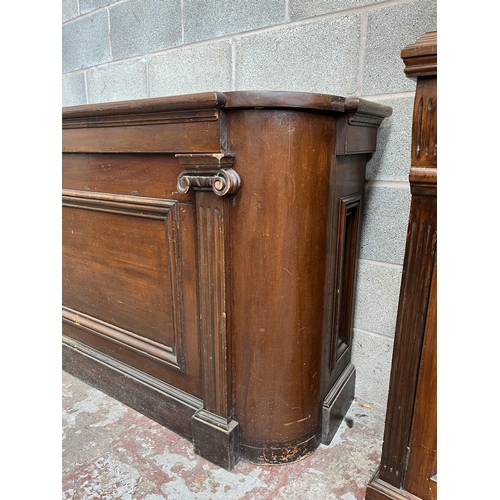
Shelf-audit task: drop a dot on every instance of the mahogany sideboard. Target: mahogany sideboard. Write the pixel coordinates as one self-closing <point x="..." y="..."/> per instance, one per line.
<point x="408" y="467"/>
<point x="209" y="261"/>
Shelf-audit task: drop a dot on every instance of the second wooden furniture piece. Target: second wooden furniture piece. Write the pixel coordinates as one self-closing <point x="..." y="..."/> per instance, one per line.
<point x="408" y="467"/>
<point x="209" y="262"/>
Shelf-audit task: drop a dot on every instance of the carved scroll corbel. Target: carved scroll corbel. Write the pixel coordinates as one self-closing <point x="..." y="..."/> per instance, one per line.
<point x="205" y="172"/>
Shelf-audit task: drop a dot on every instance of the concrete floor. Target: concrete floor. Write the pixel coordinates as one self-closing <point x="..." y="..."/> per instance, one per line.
<point x="113" y="452"/>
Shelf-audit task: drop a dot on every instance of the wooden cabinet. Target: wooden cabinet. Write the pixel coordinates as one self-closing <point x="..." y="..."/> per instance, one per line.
<point x="408" y="468"/>
<point x="209" y="260"/>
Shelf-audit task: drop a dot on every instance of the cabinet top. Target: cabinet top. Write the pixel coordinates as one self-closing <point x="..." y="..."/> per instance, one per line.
<point x="420" y="58"/>
<point x="232" y="100"/>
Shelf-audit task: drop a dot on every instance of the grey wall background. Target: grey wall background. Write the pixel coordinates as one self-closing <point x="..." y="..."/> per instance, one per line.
<point x="133" y="49"/>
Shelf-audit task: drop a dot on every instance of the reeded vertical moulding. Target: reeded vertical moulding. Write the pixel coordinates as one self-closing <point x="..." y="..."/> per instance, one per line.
<point x="408" y="465"/>
<point x="210" y="246"/>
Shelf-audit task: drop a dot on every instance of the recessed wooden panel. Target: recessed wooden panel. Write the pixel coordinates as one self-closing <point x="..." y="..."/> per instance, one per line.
<point x="349" y="208"/>
<point x="146" y="175"/>
<point x="120" y="270"/>
<point x="343" y="229"/>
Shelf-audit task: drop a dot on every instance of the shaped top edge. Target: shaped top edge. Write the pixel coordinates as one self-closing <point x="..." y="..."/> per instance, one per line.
<point x="229" y="100"/>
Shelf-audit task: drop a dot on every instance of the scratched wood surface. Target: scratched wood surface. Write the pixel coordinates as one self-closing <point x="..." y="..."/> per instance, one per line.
<point x="408" y="465"/>
<point x="209" y="256"/>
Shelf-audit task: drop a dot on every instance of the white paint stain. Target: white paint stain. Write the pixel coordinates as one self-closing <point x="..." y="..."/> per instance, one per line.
<point x="109" y="480"/>
<point x="314" y="471"/>
<point x="348" y="496"/>
<point x="93" y="403"/>
<point x="218" y="483"/>
<point x="115" y="413"/>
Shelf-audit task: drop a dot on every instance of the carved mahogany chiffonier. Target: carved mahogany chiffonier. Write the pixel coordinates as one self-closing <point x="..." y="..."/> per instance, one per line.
<point x="209" y="262"/>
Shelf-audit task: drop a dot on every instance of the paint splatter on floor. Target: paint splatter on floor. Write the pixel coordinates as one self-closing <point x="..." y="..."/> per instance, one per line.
<point x="113" y="452"/>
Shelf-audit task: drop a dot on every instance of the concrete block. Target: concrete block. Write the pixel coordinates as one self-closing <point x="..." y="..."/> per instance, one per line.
<point x="85" y="42"/>
<point x="69" y="9"/>
<point x="73" y="90"/>
<point x="187" y="70"/>
<point x="118" y="82"/>
<point x="372" y="357"/>
<point x="389" y="31"/>
<point x="144" y="26"/>
<point x="90" y="5"/>
<point x="316" y="57"/>
<point x="392" y="159"/>
<point x="300" y="9"/>
<point x="204" y="20"/>
<point x="385" y="222"/>
<point x="377" y="297"/>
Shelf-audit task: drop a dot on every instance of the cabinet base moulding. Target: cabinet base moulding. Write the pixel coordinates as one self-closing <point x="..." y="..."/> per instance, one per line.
<point x="216" y="439"/>
<point x="160" y="402"/>
<point x="337" y="403"/>
<point x="380" y="490"/>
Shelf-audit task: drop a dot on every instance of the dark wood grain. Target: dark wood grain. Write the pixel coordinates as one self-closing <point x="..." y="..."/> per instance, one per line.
<point x="131" y="284"/>
<point x="148" y="175"/>
<point x="424" y="135"/>
<point x="380" y="490"/>
<point x="346" y="192"/>
<point x="198" y="136"/>
<point x="215" y="307"/>
<point x="210" y="244"/>
<point x="409" y="453"/>
<point x="216" y="438"/>
<point x="420" y="58"/>
<point x="422" y="460"/>
<point x="129" y="281"/>
<point x="153" y="107"/>
<point x="410" y="327"/>
<point x="202" y="101"/>
<point x="161" y="402"/>
<point x="278" y="292"/>
<point x="337" y="403"/>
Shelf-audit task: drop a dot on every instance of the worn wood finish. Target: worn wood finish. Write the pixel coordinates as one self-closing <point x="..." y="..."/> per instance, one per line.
<point x="138" y="174"/>
<point x="161" y="402"/>
<point x="170" y="137"/>
<point x="129" y="281"/>
<point x="337" y="402"/>
<point x="205" y="238"/>
<point x="380" y="490"/>
<point x="422" y="461"/>
<point x="282" y="283"/>
<point x="215" y="433"/>
<point x="408" y="465"/>
<point x="420" y="58"/>
<point x="410" y="327"/>
<point x="345" y="207"/>
<point x="148" y="107"/>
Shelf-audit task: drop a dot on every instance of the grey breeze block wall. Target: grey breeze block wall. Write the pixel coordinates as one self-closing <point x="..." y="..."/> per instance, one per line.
<point x="133" y="49"/>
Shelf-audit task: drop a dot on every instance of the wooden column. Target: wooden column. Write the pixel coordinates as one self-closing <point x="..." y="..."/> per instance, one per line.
<point x="408" y="467"/>
<point x="215" y="433"/>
